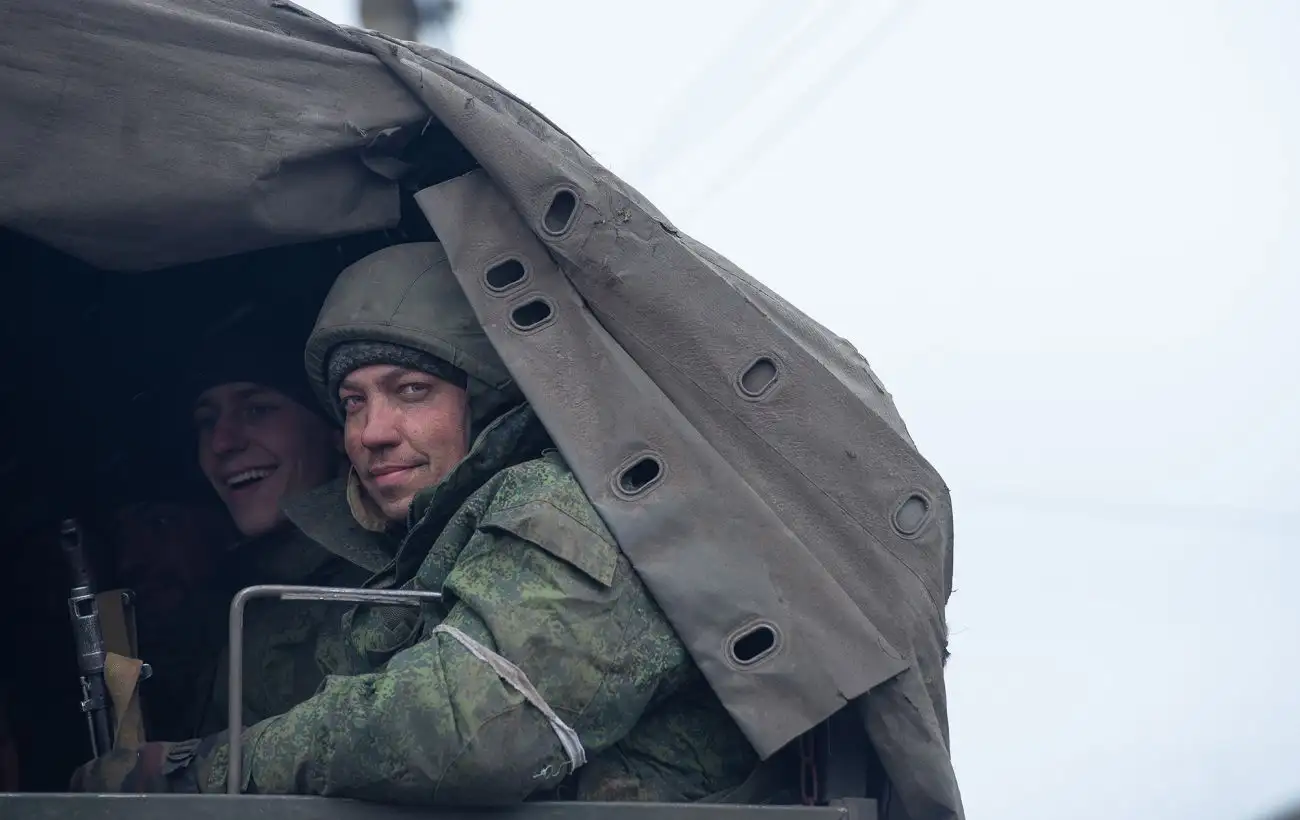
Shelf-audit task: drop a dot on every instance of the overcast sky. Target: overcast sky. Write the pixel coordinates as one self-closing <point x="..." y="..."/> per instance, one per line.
<point x="1066" y="233"/>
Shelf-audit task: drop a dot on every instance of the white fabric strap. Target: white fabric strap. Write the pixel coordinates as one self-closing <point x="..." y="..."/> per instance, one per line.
<point x="515" y="676"/>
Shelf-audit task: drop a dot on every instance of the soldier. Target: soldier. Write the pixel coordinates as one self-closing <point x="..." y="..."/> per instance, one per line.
<point x="546" y="672"/>
<point x="269" y="454"/>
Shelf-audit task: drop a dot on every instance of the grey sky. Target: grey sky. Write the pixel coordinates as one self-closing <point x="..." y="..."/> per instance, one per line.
<point x="1067" y="235"/>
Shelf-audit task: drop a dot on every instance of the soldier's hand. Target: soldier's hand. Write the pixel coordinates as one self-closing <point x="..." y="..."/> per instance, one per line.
<point x="138" y="770"/>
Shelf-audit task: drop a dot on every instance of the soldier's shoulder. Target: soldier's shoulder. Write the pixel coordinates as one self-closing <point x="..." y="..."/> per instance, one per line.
<point x="541" y="502"/>
<point x="545" y="485"/>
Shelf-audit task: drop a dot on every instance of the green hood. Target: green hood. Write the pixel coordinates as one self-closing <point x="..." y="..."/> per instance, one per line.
<point x="406" y="294"/>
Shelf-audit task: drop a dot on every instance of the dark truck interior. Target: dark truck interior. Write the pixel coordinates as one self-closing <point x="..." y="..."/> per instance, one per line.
<point x="90" y="430"/>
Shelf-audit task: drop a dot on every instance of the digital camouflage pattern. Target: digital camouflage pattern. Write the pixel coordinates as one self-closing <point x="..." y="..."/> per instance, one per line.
<point x="157" y="766"/>
<point x="798" y="506"/>
<point x="545" y="631"/>
<point x="529" y="572"/>
<point x="289" y="646"/>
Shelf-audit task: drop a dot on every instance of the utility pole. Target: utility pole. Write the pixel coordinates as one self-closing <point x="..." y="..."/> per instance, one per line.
<point x="427" y="21"/>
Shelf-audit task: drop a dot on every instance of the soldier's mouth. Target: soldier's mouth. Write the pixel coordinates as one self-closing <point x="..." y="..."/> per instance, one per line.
<point x="248" y="478"/>
<point x="389" y="475"/>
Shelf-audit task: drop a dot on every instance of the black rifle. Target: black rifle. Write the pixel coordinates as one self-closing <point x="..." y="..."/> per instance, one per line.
<point x="89" y="636"/>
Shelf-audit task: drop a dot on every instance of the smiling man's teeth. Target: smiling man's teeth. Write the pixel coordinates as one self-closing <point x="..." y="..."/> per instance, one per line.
<point x="246" y="476"/>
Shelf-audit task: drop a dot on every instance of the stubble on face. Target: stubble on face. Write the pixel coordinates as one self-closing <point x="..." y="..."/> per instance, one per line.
<point x="403" y="432"/>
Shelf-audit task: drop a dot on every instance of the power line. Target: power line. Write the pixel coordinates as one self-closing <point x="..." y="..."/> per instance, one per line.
<point x="733" y="100"/>
<point x="813" y="95"/>
<point x="679" y="124"/>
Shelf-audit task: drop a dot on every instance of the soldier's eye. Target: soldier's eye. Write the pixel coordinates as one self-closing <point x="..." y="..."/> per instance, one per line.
<point x="258" y="411"/>
<point x="413" y="390"/>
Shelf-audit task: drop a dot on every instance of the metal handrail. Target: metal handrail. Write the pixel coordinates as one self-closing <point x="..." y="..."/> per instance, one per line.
<point x="287" y="592"/>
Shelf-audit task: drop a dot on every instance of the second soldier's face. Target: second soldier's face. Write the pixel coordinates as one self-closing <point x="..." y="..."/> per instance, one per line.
<point x="403" y="430"/>
<point x="258" y="447"/>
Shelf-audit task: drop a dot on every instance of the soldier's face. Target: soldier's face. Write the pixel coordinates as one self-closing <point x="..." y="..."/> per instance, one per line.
<point x="257" y="447"/>
<point x="403" y="431"/>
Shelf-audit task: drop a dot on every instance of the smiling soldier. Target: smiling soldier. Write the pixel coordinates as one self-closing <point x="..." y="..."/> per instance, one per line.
<point x="547" y="671"/>
<point x="269" y="455"/>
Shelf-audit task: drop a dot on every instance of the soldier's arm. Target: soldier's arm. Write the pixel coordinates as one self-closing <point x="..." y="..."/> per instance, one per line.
<point x="584" y="649"/>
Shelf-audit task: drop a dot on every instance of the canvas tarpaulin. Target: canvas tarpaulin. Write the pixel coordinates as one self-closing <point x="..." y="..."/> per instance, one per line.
<point x="748" y="460"/>
<point x="138" y="135"/>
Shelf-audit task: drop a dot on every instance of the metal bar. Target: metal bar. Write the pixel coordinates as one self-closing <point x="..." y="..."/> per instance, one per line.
<point x="264" y="807"/>
<point x="287" y="592"/>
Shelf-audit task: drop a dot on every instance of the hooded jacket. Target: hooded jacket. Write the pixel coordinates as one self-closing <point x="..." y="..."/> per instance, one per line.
<point x="289" y="647"/>
<point x="546" y="671"/>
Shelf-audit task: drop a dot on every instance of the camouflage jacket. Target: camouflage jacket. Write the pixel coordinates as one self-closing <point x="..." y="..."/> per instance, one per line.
<point x="289" y="646"/>
<point x="547" y="671"/>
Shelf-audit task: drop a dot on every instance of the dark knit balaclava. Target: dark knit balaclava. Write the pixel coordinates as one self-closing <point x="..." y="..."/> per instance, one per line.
<point x="257" y="344"/>
<point x="351" y="356"/>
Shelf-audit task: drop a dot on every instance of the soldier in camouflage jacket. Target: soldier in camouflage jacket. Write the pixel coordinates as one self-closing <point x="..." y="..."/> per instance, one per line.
<point x="268" y="451"/>
<point x="546" y="671"/>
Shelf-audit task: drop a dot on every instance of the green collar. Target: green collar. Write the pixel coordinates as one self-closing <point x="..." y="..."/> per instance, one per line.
<point x="323" y="516"/>
<point x="516" y="436"/>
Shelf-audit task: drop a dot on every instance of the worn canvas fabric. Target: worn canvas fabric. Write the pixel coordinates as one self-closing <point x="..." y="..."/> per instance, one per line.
<point x="263" y="105"/>
<point x="748" y="461"/>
